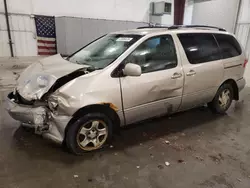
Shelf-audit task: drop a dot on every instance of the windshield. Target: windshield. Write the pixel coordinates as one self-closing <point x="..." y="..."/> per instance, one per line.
<point x="104" y="51"/>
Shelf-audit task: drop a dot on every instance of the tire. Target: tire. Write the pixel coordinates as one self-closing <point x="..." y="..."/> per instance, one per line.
<point x="89" y="133"/>
<point x="219" y="107"/>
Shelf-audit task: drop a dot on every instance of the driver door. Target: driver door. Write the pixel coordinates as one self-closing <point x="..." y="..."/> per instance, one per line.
<point x="158" y="90"/>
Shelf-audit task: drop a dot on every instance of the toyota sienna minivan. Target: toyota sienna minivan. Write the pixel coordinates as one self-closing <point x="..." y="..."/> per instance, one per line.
<point x="126" y="77"/>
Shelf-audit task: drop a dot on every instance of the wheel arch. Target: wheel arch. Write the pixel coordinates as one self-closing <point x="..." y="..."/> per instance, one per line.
<point x="105" y="108"/>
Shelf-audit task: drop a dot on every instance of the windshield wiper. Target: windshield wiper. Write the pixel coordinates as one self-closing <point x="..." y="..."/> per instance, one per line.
<point x="92" y="68"/>
<point x="89" y="67"/>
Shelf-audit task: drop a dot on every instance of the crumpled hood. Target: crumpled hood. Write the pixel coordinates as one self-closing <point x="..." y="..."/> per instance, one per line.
<point x="38" y="78"/>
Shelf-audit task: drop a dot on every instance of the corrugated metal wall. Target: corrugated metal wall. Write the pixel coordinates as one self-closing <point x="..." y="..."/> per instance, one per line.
<point x="220" y="13"/>
<point x="243" y="34"/>
<point x="84" y="30"/>
<point x="23" y="27"/>
<point x="73" y="33"/>
<point x="243" y="25"/>
<point x="23" y="35"/>
<point x="4" y="46"/>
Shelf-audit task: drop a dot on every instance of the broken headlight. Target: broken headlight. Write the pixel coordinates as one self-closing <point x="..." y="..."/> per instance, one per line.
<point x="35" y="86"/>
<point x="42" y="81"/>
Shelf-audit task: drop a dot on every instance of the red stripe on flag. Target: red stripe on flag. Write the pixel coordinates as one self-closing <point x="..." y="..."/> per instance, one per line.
<point x="46" y="47"/>
<point x="46" y="53"/>
<point x="46" y="42"/>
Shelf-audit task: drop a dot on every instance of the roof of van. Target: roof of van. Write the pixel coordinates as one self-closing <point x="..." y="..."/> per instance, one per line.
<point x="148" y="31"/>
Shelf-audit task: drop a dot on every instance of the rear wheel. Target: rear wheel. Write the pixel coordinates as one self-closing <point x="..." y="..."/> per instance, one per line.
<point x="222" y="99"/>
<point x="90" y="132"/>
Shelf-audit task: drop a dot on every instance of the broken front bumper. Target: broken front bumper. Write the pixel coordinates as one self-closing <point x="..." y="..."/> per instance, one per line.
<point x="45" y="122"/>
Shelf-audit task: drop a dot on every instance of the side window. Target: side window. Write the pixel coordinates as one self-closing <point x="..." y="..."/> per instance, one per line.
<point x="200" y="47"/>
<point x="154" y="54"/>
<point x="228" y="45"/>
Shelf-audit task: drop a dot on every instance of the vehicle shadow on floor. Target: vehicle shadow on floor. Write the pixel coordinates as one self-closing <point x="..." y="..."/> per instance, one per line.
<point x="164" y="126"/>
<point x="38" y="148"/>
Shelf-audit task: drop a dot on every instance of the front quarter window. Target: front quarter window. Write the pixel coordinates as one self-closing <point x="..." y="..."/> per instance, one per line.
<point x="104" y="51"/>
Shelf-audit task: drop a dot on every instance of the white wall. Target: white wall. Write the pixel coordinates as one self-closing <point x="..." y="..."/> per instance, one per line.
<point x="4" y="47"/>
<point x="132" y="10"/>
<point x="106" y="9"/>
<point x="243" y="25"/>
<point x="243" y="33"/>
<point x="221" y="13"/>
<point x="23" y="37"/>
<point x="244" y="11"/>
<point x="23" y="28"/>
<point x="188" y="12"/>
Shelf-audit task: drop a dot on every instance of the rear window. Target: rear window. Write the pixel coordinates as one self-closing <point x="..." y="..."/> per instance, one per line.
<point x="228" y="45"/>
<point x="200" y="47"/>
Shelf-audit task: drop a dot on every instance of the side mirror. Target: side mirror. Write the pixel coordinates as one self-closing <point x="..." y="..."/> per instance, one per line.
<point x="132" y="69"/>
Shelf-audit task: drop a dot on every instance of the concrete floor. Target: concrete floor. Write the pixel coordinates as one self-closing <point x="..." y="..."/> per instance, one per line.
<point x="205" y="150"/>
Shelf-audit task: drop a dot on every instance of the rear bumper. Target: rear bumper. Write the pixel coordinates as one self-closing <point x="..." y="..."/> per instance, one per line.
<point x="45" y="123"/>
<point x="241" y="83"/>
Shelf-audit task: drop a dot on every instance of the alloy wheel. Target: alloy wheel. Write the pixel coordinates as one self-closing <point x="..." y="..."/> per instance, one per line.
<point x="92" y="135"/>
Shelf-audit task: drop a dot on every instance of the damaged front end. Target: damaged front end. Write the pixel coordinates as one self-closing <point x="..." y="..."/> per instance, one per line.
<point x="39" y="117"/>
<point x="31" y="102"/>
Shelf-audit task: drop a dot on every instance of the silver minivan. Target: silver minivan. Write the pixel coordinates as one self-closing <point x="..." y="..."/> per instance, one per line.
<point x="126" y="77"/>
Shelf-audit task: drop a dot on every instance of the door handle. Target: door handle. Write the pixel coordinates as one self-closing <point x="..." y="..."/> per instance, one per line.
<point x="176" y="75"/>
<point x="191" y="73"/>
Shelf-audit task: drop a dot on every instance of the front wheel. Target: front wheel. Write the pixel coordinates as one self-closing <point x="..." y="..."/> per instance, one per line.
<point x="222" y="99"/>
<point x="90" y="132"/>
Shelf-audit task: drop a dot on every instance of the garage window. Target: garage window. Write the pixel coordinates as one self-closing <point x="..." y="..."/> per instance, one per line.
<point x="200" y="47"/>
<point x="168" y="8"/>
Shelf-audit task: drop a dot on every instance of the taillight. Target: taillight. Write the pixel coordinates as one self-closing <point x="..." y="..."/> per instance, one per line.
<point x="245" y="63"/>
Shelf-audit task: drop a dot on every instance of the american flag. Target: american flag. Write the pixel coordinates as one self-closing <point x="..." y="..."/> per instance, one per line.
<point x="46" y="35"/>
